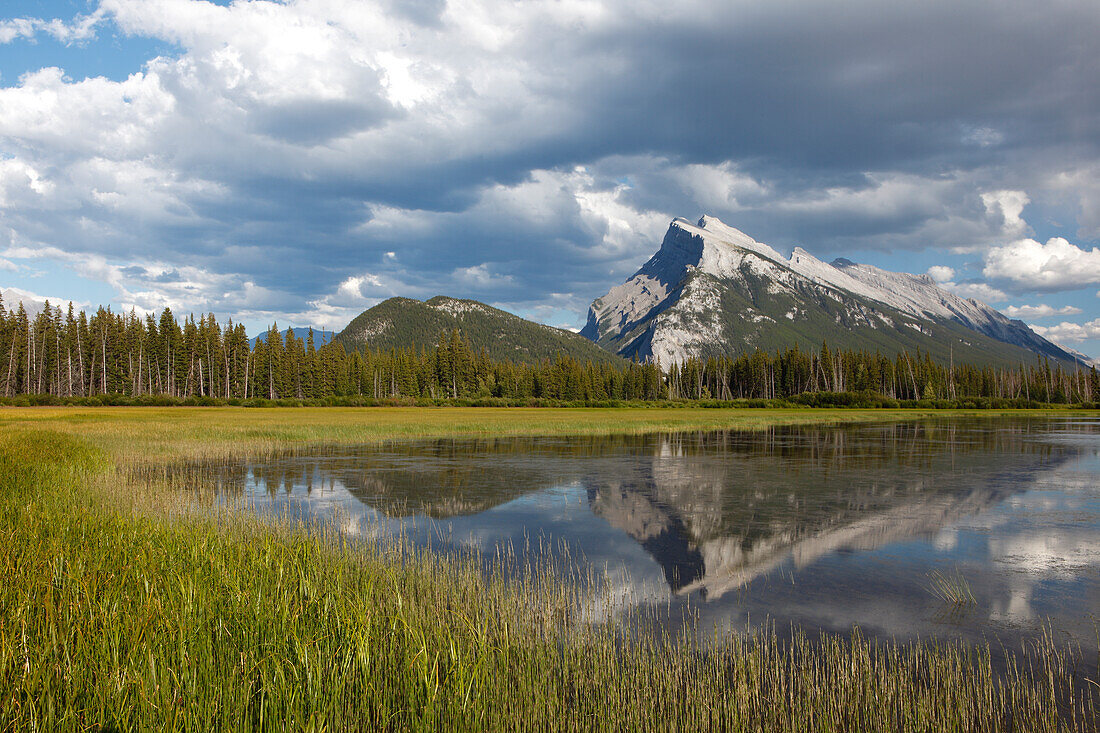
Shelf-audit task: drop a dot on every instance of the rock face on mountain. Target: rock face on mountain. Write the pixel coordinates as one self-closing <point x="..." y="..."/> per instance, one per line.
<point x="408" y="323"/>
<point x="713" y="290"/>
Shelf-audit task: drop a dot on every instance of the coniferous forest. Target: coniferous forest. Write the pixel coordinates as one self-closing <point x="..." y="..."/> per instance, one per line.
<point x="65" y="355"/>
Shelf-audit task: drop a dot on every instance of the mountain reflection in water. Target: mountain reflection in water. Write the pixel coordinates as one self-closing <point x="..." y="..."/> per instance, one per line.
<point x="854" y="516"/>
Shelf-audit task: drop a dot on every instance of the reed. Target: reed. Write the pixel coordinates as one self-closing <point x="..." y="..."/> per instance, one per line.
<point x="128" y="604"/>
<point x="154" y="434"/>
<point x="951" y="588"/>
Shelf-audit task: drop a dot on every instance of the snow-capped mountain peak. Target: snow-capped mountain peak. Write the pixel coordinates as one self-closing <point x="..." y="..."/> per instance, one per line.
<point x="713" y="289"/>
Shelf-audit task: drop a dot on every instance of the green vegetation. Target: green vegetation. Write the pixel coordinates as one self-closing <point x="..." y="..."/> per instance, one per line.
<point x="129" y="602"/>
<point x="404" y="323"/>
<point x="143" y="435"/>
<point x="118" y="359"/>
<point x="853" y="323"/>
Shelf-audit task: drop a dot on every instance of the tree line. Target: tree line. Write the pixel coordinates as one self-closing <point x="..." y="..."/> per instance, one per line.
<point x="69" y="354"/>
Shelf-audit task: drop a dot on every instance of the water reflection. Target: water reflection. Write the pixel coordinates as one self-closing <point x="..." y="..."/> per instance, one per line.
<point x="822" y="527"/>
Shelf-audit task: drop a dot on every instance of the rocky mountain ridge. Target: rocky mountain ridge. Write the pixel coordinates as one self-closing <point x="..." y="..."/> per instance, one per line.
<point x="711" y="290"/>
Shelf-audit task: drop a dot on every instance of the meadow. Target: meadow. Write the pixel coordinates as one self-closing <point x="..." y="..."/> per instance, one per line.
<point x="129" y="601"/>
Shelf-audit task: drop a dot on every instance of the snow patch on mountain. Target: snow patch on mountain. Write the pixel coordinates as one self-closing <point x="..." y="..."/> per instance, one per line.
<point x="672" y="306"/>
<point x="374" y="329"/>
<point x="456" y="307"/>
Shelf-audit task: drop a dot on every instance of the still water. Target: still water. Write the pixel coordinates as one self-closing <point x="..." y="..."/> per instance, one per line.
<point x="825" y="528"/>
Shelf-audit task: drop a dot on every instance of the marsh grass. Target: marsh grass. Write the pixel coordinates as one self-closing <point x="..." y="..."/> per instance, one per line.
<point x="951" y="588"/>
<point x="143" y="435"/>
<point x="128" y="605"/>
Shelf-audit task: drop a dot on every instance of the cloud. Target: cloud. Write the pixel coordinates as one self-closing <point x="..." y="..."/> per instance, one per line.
<point x="1005" y="207"/>
<point x="82" y="28"/>
<point x="941" y="273"/>
<point x="1080" y="183"/>
<point x="294" y="145"/>
<point x="979" y="291"/>
<point x="1039" y="311"/>
<point x="983" y="136"/>
<point x="1054" y="266"/>
<point x="150" y="285"/>
<point x="945" y="278"/>
<point x="479" y="277"/>
<point x="1070" y="333"/>
<point x="718" y="187"/>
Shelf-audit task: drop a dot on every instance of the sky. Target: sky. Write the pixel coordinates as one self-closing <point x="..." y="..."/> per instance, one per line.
<point x="298" y="161"/>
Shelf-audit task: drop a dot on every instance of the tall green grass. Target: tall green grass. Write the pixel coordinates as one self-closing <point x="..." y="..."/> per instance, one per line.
<point x="127" y="606"/>
<point x="144" y="434"/>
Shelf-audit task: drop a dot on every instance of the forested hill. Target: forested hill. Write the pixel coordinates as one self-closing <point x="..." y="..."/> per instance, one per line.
<point x="67" y="354"/>
<point x="406" y="323"/>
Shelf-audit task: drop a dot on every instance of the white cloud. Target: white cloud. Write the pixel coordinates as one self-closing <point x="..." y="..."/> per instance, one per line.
<point x="982" y="292"/>
<point x="21" y="184"/>
<point x="891" y="210"/>
<point x="1005" y="208"/>
<point x="1081" y="184"/>
<point x="82" y="28"/>
<point x="1039" y="311"/>
<point x="479" y="276"/>
<point x="149" y="285"/>
<point x="1056" y="265"/>
<point x="941" y="273"/>
<point x="1070" y="333"/>
<point x="718" y="187"/>
<point x="16" y="28"/>
<point x="505" y="221"/>
<point x="978" y="291"/>
<point x="882" y="195"/>
<point x="353" y="287"/>
<point x="945" y="278"/>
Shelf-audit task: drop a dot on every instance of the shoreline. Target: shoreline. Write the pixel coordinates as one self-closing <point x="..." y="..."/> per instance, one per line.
<point x="129" y="608"/>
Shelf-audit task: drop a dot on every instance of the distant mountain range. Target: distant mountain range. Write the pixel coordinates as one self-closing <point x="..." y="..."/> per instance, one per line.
<point x="404" y="322"/>
<point x="320" y="338"/>
<point x="31" y="304"/>
<point x="712" y="290"/>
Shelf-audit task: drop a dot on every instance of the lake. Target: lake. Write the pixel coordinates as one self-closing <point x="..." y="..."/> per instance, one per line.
<point x="823" y="528"/>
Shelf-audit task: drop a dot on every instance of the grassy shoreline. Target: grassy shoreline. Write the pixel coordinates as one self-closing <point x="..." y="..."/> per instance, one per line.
<point x="121" y="608"/>
<point x="159" y="434"/>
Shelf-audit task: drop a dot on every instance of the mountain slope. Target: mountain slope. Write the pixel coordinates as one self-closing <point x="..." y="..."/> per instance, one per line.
<point x="404" y="322"/>
<point x="320" y="337"/>
<point x="33" y="305"/>
<point x="713" y="290"/>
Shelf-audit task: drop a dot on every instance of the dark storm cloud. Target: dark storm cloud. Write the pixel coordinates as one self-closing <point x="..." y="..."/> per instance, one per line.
<point x="870" y="87"/>
<point x="311" y="122"/>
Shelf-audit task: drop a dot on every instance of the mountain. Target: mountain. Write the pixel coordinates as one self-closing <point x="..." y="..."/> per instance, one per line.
<point x="32" y="304"/>
<point x="320" y="338"/>
<point x="404" y="322"/>
<point x="712" y="290"/>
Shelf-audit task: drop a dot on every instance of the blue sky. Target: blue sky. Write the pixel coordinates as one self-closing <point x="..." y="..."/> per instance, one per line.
<point x="302" y="160"/>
